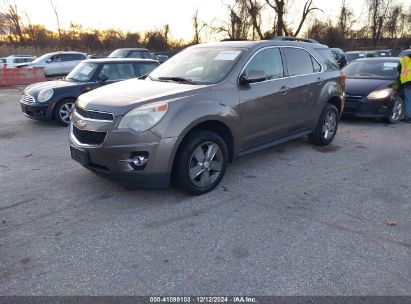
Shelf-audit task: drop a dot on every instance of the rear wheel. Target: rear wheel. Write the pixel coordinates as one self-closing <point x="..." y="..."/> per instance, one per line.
<point x="201" y="162"/>
<point x="63" y="111"/>
<point x="327" y="126"/>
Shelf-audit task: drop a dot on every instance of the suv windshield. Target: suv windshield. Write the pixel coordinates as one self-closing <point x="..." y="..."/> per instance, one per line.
<point x="82" y="72"/>
<point x="41" y="58"/>
<point x="198" y="65"/>
<point x="372" y="69"/>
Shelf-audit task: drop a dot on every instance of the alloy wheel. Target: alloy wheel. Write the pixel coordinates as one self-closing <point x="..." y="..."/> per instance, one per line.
<point x="329" y="125"/>
<point x="65" y="112"/>
<point x="396" y="111"/>
<point x="206" y="164"/>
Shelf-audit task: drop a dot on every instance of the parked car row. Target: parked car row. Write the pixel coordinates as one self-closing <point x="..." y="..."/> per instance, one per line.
<point x="186" y="119"/>
<point x="61" y="63"/>
<point x="13" y="60"/>
<point x="55" y="99"/>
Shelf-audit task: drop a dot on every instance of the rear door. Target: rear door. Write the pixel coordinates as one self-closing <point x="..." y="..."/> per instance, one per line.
<point x="306" y="80"/>
<point x="71" y="61"/>
<point x="264" y="105"/>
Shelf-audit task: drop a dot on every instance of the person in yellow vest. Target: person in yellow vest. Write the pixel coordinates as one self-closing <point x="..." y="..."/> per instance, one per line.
<point x="405" y="79"/>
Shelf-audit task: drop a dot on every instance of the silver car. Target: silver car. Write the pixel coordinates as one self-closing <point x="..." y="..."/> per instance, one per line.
<point x="57" y="63"/>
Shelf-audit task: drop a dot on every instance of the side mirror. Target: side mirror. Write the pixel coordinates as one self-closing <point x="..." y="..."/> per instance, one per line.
<point x="253" y="76"/>
<point x="48" y="60"/>
<point x="102" y="77"/>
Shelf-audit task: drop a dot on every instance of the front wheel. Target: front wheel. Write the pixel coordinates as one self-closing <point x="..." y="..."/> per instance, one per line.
<point x="397" y="111"/>
<point x="63" y="111"/>
<point x="327" y="126"/>
<point x="201" y="162"/>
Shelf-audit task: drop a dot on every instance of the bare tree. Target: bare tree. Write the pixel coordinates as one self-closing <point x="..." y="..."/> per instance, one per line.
<point x="11" y="19"/>
<point x="280" y="8"/>
<point x="392" y="22"/>
<point x="53" y="5"/>
<point x="238" y="25"/>
<point x="377" y="14"/>
<point x="345" y="19"/>
<point x="198" y="27"/>
<point x="254" y="8"/>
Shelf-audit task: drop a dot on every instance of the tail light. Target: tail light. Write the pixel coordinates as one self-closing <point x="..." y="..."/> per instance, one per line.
<point x="343" y="78"/>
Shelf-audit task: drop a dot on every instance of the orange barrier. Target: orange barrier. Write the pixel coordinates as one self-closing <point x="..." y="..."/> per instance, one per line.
<point x="21" y="76"/>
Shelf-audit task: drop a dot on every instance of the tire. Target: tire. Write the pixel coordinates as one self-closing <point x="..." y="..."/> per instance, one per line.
<point x="397" y="112"/>
<point x="196" y="170"/>
<point x="63" y="110"/>
<point x="326" y="128"/>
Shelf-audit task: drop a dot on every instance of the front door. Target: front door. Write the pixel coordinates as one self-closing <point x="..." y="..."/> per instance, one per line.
<point x="264" y="105"/>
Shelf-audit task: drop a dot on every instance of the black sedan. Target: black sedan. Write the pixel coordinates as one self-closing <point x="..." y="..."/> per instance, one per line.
<point x="373" y="90"/>
<point x="55" y="99"/>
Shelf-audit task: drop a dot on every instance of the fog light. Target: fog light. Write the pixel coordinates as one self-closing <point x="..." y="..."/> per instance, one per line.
<point x="140" y="160"/>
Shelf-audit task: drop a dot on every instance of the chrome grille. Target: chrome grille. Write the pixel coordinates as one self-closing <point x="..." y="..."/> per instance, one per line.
<point x="27" y="98"/>
<point x="94" y="114"/>
<point x="89" y="137"/>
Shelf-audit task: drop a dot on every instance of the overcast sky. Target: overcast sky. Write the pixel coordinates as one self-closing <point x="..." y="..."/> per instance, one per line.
<point x="140" y="16"/>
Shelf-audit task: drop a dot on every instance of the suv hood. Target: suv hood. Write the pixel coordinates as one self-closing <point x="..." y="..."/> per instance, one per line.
<point x="120" y="97"/>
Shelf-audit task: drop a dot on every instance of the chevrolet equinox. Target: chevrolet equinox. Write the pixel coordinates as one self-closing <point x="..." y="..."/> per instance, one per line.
<point x="205" y="107"/>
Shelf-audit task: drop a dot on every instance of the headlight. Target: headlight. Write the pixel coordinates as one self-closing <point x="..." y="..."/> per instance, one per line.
<point x="143" y="118"/>
<point x="380" y="94"/>
<point x="45" y="95"/>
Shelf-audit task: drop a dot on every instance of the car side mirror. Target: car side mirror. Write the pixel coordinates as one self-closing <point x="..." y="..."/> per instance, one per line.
<point x="253" y="76"/>
<point x="102" y="77"/>
<point x="48" y="60"/>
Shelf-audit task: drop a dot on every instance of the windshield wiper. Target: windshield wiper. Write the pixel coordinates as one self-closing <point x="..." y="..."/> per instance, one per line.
<point x="177" y="79"/>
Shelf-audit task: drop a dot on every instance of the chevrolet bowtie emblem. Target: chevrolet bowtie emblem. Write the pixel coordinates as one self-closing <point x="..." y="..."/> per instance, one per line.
<point x="81" y="123"/>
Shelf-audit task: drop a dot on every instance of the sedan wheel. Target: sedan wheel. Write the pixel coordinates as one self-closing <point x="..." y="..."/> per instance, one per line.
<point x="397" y="111"/>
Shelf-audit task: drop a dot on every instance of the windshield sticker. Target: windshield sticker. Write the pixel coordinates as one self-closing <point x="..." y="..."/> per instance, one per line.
<point x="361" y="55"/>
<point x="227" y="55"/>
<point x="86" y="70"/>
<point x="390" y="64"/>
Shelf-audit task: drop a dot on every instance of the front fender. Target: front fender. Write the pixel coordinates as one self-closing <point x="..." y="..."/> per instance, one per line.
<point x="185" y="117"/>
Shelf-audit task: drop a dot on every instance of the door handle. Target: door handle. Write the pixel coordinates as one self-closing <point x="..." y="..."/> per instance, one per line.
<point x="283" y="90"/>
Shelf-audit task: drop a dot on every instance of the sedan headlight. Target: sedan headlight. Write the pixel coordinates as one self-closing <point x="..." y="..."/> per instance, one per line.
<point x="380" y="94"/>
<point x="143" y="118"/>
<point x="45" y="95"/>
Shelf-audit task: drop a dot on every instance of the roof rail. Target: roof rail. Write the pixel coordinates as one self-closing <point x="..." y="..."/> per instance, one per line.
<point x="289" y="38"/>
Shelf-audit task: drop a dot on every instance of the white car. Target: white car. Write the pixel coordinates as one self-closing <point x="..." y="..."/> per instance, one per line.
<point x="12" y="60"/>
<point x="58" y="63"/>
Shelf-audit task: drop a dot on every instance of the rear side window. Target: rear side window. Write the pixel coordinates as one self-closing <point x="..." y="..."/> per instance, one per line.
<point x="300" y="62"/>
<point x="268" y="60"/>
<point x="118" y="71"/>
<point x="2" y="60"/>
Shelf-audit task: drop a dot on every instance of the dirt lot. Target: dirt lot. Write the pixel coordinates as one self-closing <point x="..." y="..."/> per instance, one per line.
<point x="291" y="220"/>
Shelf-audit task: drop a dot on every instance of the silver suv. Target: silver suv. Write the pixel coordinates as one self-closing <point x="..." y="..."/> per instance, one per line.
<point x="205" y="107"/>
<point x="57" y="63"/>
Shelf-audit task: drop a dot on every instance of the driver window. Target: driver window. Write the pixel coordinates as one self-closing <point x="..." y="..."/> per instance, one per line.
<point x="56" y="58"/>
<point x="269" y="61"/>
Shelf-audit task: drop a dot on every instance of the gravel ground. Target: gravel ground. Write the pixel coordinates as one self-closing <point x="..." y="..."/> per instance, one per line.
<point x="290" y="220"/>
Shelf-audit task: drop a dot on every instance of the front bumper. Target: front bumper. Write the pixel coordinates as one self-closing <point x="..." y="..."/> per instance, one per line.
<point x="360" y="106"/>
<point x="114" y="156"/>
<point x="38" y="111"/>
